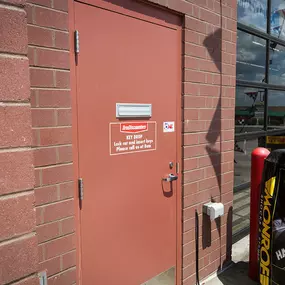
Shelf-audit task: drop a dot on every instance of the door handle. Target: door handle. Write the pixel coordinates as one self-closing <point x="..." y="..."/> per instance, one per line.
<point x="170" y="178"/>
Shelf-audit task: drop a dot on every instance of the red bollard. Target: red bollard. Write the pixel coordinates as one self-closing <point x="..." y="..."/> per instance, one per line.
<point x="257" y="163"/>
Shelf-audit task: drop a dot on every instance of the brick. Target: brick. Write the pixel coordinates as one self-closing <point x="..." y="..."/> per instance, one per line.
<point x="42" y="77"/>
<point x="64" y="117"/>
<point x="195" y="24"/>
<point x="20" y="3"/>
<point x="190" y="139"/>
<point x="66" y="190"/>
<point x="207" y="183"/>
<point x="58" y="210"/>
<point x="61" y="40"/>
<point x="189" y="259"/>
<point x="45" y="156"/>
<point x="188" y="236"/>
<point x="45" y="195"/>
<point x="190" y="164"/>
<point x="31" y="280"/>
<point x="68" y="260"/>
<point x="61" y="5"/>
<point x="30" y="13"/>
<point x="67" y="277"/>
<point x="17" y="171"/>
<point x="47" y="3"/>
<point x="188" y="271"/>
<point x="33" y="98"/>
<point x="54" y="98"/>
<point x="193" y="175"/>
<point x="190" y="188"/>
<point x="194" y="102"/>
<point x="210" y="17"/>
<point x="209" y="66"/>
<point x="43" y="118"/>
<point x="47" y="232"/>
<point x="11" y="89"/>
<point x="59" y="246"/>
<point x="191" y="62"/>
<point x="40" y="36"/>
<point x="191" y="88"/>
<point x="195" y="76"/>
<point x="192" y="151"/>
<point x="209" y="90"/>
<point x="31" y="56"/>
<point x="194" y="126"/>
<point x="209" y="160"/>
<point x="13" y="27"/>
<point x="67" y="226"/>
<point x="188" y="248"/>
<point x="191" y="114"/>
<point x="64" y="154"/>
<point x="192" y="37"/>
<point x="39" y="216"/>
<point x="57" y="174"/>
<point x="195" y="50"/>
<point x="55" y="136"/>
<point x="17" y="215"/>
<point x="14" y="256"/>
<point x="52" y="58"/>
<point x="62" y="79"/>
<point x="51" y="266"/>
<point x="51" y="18"/>
<point x="15" y="124"/>
<point x="38" y="177"/>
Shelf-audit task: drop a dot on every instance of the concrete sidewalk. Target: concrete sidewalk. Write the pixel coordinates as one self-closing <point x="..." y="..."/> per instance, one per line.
<point x="237" y="274"/>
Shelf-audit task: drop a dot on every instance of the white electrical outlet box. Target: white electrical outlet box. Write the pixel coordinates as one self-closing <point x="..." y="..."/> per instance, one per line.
<point x="214" y="210"/>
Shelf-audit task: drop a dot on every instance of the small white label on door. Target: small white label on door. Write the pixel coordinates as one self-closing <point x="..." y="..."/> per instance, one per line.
<point x="168" y="127"/>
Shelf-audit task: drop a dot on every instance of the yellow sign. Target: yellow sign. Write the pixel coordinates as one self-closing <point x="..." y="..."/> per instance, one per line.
<point x="275" y="140"/>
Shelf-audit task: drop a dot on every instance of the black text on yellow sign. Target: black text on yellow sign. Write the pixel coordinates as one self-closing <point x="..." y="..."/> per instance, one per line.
<point x="267" y="213"/>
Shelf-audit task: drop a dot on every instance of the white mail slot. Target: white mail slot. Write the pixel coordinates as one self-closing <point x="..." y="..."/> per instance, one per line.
<point x="130" y="110"/>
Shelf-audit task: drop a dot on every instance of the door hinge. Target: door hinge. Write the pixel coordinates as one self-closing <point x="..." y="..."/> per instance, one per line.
<point x="80" y="189"/>
<point x="76" y="43"/>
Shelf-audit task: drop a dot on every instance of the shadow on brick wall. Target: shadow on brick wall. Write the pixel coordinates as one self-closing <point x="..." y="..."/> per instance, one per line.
<point x="213" y="43"/>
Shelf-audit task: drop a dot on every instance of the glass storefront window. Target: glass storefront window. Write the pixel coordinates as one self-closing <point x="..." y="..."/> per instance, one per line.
<point x="249" y="110"/>
<point x="278" y="18"/>
<point x="242" y="161"/>
<point x="251" y="57"/>
<point x="253" y="13"/>
<point x="276" y="109"/>
<point x="277" y="64"/>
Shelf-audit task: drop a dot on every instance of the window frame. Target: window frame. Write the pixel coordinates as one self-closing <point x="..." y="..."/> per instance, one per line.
<point x="264" y="85"/>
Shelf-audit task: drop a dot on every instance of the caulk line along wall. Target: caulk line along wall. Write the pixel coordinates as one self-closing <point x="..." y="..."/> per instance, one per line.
<point x="36" y="186"/>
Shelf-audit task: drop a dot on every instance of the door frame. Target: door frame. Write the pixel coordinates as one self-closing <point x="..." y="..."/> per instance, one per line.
<point x="74" y="106"/>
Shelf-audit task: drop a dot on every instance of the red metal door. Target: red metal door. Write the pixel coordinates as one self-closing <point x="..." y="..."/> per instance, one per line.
<point x="128" y="215"/>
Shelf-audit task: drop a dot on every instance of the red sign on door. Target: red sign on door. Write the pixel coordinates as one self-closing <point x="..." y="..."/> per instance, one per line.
<point x="130" y="137"/>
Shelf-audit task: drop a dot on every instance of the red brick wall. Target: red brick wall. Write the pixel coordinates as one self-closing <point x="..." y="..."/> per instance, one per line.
<point x="208" y="135"/>
<point x="48" y="54"/>
<point x="18" y="241"/>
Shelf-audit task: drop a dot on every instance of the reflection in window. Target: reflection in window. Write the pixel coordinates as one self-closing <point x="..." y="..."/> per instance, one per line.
<point x="249" y="112"/>
<point x="276" y="109"/>
<point x="277" y="64"/>
<point x="253" y="13"/>
<point x="242" y="161"/>
<point x="278" y="18"/>
<point x="251" y="57"/>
